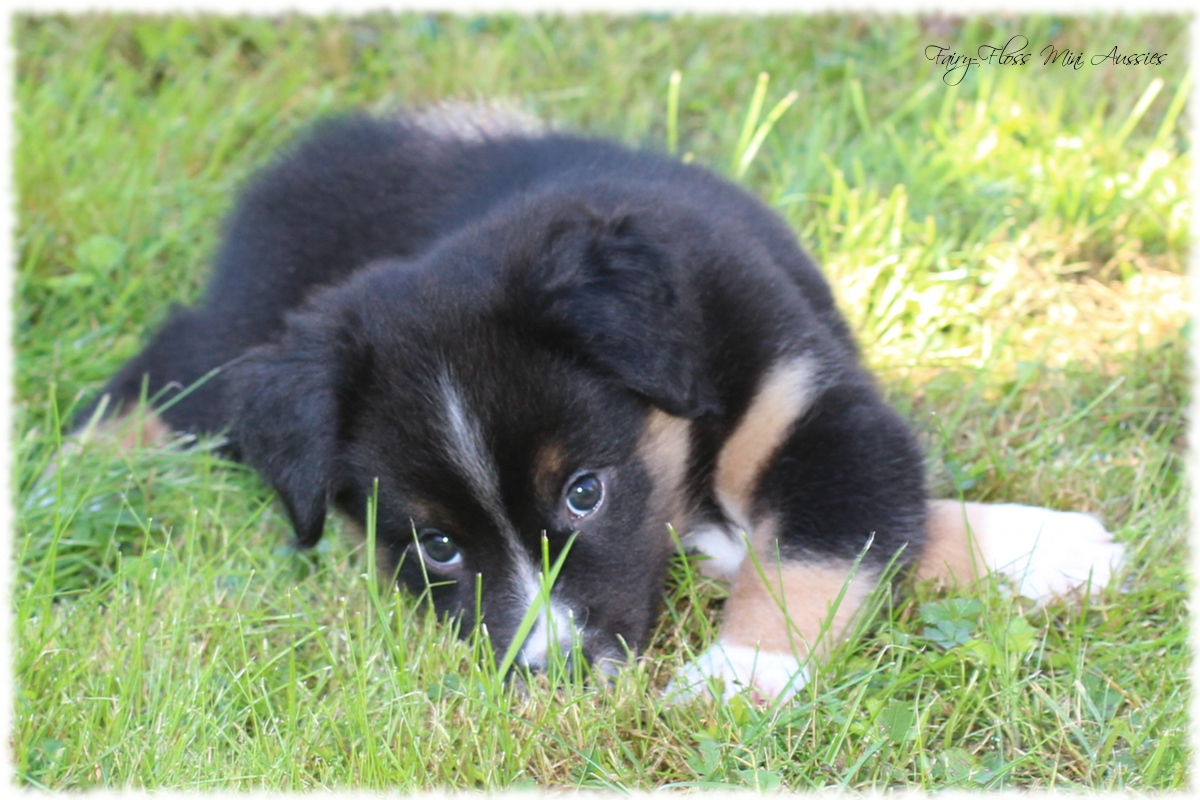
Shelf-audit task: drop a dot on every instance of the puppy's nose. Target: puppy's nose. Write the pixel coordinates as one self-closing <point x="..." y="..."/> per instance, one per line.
<point x="554" y="632"/>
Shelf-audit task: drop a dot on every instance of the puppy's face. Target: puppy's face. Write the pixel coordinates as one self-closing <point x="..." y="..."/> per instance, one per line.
<point x="506" y="397"/>
<point x="482" y="452"/>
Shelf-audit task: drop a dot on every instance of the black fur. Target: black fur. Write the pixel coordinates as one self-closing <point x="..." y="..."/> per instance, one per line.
<point x="565" y="287"/>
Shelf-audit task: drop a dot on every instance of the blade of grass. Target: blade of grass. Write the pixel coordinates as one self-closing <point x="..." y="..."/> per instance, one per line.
<point x="763" y="130"/>
<point x="1173" y="111"/>
<point x="1139" y="110"/>
<point x="531" y="614"/>
<point x="752" y="114"/>
<point x="673" y="112"/>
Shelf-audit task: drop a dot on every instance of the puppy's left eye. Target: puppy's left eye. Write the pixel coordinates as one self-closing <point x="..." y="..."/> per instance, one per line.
<point x="584" y="494"/>
<point x="439" y="548"/>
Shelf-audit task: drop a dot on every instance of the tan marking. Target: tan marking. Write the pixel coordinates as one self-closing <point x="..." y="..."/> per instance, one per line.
<point x="131" y="430"/>
<point x="547" y="472"/>
<point x="786" y="392"/>
<point x="426" y="514"/>
<point x="951" y="553"/>
<point x="138" y="429"/>
<point x="796" y="610"/>
<point x="549" y="459"/>
<point x="387" y="564"/>
<point x="664" y="449"/>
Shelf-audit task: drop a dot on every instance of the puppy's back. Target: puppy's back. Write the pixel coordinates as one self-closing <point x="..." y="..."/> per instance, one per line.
<point x="358" y="189"/>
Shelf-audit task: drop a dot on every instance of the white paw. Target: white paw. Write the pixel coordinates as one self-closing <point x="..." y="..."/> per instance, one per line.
<point x="1047" y="553"/>
<point x="730" y="669"/>
<point x="724" y="545"/>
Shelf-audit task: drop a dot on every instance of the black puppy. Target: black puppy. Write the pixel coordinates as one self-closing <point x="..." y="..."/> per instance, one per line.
<point x="525" y="335"/>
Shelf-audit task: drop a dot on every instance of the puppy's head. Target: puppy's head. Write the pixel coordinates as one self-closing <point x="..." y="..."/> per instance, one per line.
<point x="530" y="378"/>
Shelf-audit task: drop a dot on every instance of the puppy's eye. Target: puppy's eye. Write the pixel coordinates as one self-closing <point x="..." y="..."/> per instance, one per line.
<point x="584" y="493"/>
<point x="439" y="548"/>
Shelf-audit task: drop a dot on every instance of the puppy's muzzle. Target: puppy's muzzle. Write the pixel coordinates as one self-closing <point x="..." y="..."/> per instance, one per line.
<point x="559" y="640"/>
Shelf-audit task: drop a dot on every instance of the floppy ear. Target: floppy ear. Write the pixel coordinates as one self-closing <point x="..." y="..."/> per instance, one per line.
<point x="602" y="288"/>
<point x="285" y="412"/>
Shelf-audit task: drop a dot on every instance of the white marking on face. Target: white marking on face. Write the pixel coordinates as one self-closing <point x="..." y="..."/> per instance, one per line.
<point x="470" y="457"/>
<point x="465" y="447"/>
<point x="554" y="629"/>
<point x="468" y="454"/>
<point x="724" y="545"/>
<point x="786" y="392"/>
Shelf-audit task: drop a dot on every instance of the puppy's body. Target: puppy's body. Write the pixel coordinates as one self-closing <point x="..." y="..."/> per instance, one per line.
<point x="537" y="334"/>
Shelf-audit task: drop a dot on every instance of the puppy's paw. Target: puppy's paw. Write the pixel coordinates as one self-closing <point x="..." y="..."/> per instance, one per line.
<point x="1047" y="553"/>
<point x="730" y="669"/>
<point x="724" y="546"/>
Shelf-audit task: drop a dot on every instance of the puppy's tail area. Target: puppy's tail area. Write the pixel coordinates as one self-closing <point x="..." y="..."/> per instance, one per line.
<point x="172" y="375"/>
<point x="1043" y="553"/>
<point x="168" y="388"/>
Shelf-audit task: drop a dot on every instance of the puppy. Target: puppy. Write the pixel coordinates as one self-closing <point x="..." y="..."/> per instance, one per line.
<point x="521" y="335"/>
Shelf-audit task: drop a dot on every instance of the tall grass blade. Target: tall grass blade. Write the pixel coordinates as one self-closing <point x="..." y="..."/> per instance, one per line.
<point x="531" y="614"/>
<point x="860" y="106"/>
<point x="763" y="130"/>
<point x="373" y="583"/>
<point x="748" y="127"/>
<point x="673" y="112"/>
<point x="1139" y="110"/>
<point x="1173" y="111"/>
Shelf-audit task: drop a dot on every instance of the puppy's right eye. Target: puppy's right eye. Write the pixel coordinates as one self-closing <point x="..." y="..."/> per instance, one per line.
<point x="438" y="548"/>
<point x="584" y="494"/>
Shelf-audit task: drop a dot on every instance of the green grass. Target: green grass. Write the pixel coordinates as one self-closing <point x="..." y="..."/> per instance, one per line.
<point x="1010" y="251"/>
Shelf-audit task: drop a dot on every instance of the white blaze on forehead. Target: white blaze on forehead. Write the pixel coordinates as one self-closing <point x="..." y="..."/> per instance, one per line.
<point x="468" y="454"/>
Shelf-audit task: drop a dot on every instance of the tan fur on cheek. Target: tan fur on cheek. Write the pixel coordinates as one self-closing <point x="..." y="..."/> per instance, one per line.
<point x="786" y="392"/>
<point x="796" y="609"/>
<point x="664" y="449"/>
<point x="951" y="553"/>
<point x="547" y="471"/>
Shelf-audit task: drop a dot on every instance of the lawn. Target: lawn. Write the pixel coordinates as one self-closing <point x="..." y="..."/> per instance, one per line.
<point x="1010" y="248"/>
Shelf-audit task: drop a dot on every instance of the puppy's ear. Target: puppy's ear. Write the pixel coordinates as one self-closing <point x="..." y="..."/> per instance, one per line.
<point x="284" y="399"/>
<point x="606" y="289"/>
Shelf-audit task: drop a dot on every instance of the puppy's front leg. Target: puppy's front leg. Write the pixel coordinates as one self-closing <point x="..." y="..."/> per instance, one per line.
<point x="819" y="477"/>
<point x="778" y="613"/>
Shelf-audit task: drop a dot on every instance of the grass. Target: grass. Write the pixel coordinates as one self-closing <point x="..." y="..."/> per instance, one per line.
<point x="1011" y="257"/>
